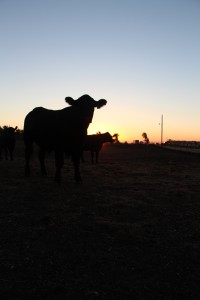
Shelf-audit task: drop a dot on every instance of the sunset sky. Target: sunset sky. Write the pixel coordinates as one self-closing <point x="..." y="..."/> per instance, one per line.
<point x="142" y="56"/>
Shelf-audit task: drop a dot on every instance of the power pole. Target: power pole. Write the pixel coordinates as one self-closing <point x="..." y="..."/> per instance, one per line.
<point x="161" y="127"/>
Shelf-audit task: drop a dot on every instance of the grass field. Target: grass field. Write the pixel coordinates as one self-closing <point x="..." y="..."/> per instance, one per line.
<point x="131" y="230"/>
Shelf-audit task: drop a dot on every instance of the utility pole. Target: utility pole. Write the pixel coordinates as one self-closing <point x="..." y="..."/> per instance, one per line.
<point x="161" y="125"/>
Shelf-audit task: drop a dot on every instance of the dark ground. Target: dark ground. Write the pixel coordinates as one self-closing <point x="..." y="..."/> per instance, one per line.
<point x="130" y="231"/>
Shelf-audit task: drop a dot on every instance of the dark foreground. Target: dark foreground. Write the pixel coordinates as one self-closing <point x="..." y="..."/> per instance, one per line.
<point x="130" y="231"/>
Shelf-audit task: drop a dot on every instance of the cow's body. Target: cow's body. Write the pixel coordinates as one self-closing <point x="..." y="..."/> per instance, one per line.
<point x="62" y="131"/>
<point x="94" y="144"/>
<point x="7" y="142"/>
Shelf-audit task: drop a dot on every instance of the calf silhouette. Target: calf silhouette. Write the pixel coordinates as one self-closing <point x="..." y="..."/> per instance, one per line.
<point x="7" y="142"/>
<point x="94" y="144"/>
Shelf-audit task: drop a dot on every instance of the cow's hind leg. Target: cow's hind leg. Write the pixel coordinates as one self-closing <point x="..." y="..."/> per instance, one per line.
<point x="28" y="153"/>
<point x="41" y="159"/>
<point x="92" y="156"/>
<point x="97" y="157"/>
<point x="59" y="161"/>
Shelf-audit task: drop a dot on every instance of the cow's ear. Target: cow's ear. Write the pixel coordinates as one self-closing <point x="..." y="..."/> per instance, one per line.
<point x="101" y="103"/>
<point x="70" y="100"/>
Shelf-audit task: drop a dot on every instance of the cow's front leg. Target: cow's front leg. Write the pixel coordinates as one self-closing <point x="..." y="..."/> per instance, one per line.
<point x="28" y="153"/>
<point x="76" y="162"/>
<point x="6" y="153"/>
<point x="11" y="154"/>
<point x="59" y="161"/>
<point x="41" y="159"/>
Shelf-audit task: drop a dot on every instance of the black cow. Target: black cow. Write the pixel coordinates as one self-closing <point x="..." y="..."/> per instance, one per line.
<point x="62" y="131"/>
<point x="94" y="144"/>
<point x="7" y="141"/>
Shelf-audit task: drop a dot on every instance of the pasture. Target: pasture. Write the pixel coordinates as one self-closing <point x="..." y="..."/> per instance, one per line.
<point x="131" y="230"/>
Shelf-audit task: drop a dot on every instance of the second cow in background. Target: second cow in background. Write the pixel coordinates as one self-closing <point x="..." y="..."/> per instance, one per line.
<point x="94" y="144"/>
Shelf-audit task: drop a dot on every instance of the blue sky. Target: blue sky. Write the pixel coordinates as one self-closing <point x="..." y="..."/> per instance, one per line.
<point x="142" y="56"/>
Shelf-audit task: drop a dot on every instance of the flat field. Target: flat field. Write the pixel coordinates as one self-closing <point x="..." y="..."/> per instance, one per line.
<point x="131" y="230"/>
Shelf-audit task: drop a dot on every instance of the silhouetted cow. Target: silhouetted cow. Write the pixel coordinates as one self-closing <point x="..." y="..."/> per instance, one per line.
<point x="63" y="131"/>
<point x="7" y="141"/>
<point x="94" y="144"/>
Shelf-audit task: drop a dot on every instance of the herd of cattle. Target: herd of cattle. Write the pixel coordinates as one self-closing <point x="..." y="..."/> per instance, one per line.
<point x="62" y="131"/>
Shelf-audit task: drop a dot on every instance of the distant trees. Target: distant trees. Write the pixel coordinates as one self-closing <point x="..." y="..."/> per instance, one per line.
<point x="145" y="137"/>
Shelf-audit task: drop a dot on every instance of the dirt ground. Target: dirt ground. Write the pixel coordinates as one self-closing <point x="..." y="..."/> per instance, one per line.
<point x="131" y="230"/>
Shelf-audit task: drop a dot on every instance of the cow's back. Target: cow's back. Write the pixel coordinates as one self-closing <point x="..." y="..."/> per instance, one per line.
<point x="93" y="143"/>
<point x="54" y="128"/>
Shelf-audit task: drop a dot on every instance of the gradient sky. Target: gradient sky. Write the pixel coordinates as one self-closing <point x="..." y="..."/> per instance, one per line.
<point x="142" y="56"/>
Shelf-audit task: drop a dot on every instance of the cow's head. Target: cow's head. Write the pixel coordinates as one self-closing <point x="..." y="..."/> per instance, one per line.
<point x="108" y="137"/>
<point x="10" y="129"/>
<point x="85" y="106"/>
